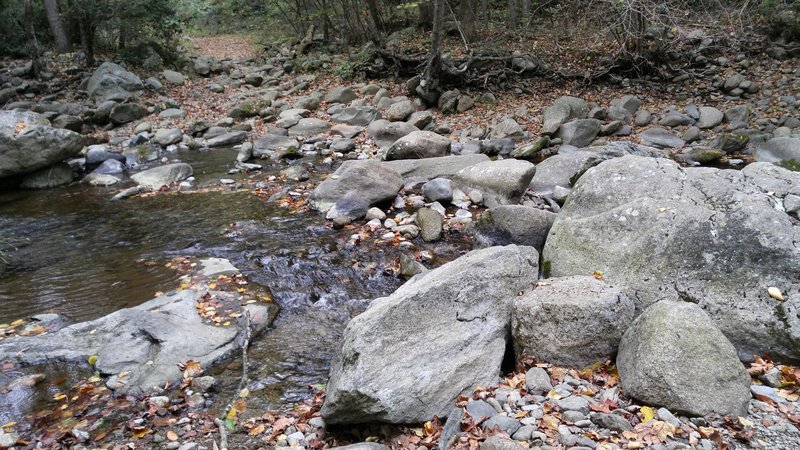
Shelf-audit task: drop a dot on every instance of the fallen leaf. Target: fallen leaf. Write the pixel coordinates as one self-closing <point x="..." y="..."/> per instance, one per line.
<point x="648" y="414"/>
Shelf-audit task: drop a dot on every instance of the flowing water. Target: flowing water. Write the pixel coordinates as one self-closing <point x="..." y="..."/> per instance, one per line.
<point x="75" y="253"/>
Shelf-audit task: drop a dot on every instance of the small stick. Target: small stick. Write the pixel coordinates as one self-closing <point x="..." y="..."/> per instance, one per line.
<point x="223" y="434"/>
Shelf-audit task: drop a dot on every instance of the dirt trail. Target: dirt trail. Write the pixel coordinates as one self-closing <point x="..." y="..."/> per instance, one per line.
<point x="228" y="46"/>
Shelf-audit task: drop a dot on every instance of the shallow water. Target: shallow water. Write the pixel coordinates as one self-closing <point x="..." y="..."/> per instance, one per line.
<point x="78" y="254"/>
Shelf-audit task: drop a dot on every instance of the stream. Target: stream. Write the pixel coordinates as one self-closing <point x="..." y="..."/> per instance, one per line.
<point x="77" y="254"/>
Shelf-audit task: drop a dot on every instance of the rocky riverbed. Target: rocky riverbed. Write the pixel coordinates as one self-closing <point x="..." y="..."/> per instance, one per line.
<point x="637" y="256"/>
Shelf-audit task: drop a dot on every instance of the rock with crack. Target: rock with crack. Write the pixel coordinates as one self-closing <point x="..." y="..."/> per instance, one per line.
<point x="140" y="347"/>
<point x="408" y="356"/>
<point x="718" y="238"/>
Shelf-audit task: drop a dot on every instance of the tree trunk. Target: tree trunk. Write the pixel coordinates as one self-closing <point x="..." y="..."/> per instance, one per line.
<point x="86" y="30"/>
<point x="56" y="26"/>
<point x="433" y="69"/>
<point x="372" y="7"/>
<point x="467" y="19"/>
<point x="512" y="19"/>
<point x="30" y="34"/>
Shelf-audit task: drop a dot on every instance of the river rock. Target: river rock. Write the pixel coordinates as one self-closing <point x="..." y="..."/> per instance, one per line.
<point x="28" y="143"/>
<point x="49" y="177"/>
<point x="96" y="154"/>
<point x="660" y="137"/>
<point x="674" y="119"/>
<point x="430" y="224"/>
<point x="100" y="179"/>
<point x="174" y="77"/>
<point x="147" y="341"/>
<point x="127" y="112"/>
<point x="579" y="133"/>
<point x="309" y="126"/>
<point x="357" y="115"/>
<point x="162" y="175"/>
<point x="508" y="128"/>
<point x="340" y="95"/>
<point x="429" y="168"/>
<point x="420" y="119"/>
<point x="571" y="321"/>
<point x="165" y="137"/>
<point x="501" y="182"/>
<point x="674" y="356"/>
<point x="419" y="144"/>
<point x="227" y="139"/>
<point x="273" y="145"/>
<point x="562" y="110"/>
<point x="710" y="117"/>
<point x="438" y="190"/>
<point x="624" y="108"/>
<point x="110" y="166"/>
<point x="514" y="224"/>
<point x="781" y="151"/>
<point x="111" y="82"/>
<point x="399" y="111"/>
<point x="385" y="133"/>
<point x="447" y="328"/>
<point x="367" y="179"/>
<point x="559" y="170"/>
<point x="660" y="231"/>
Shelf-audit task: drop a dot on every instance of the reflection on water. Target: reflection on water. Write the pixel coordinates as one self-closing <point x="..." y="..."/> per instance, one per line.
<point x="82" y="256"/>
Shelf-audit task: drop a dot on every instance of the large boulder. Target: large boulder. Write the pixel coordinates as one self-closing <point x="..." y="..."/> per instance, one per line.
<point x="147" y="341"/>
<point x="367" y="179"/>
<point x="713" y="237"/>
<point x="571" y="321"/>
<point x="111" y="82"/>
<point x="502" y="182"/>
<point x="562" y="110"/>
<point x="443" y="333"/>
<point x="674" y="356"/>
<point x="514" y="224"/>
<point x="419" y="144"/>
<point x="162" y="175"/>
<point x="441" y="167"/>
<point x="28" y="143"/>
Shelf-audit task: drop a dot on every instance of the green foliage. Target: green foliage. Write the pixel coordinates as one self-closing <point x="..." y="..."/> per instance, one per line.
<point x="783" y="18"/>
